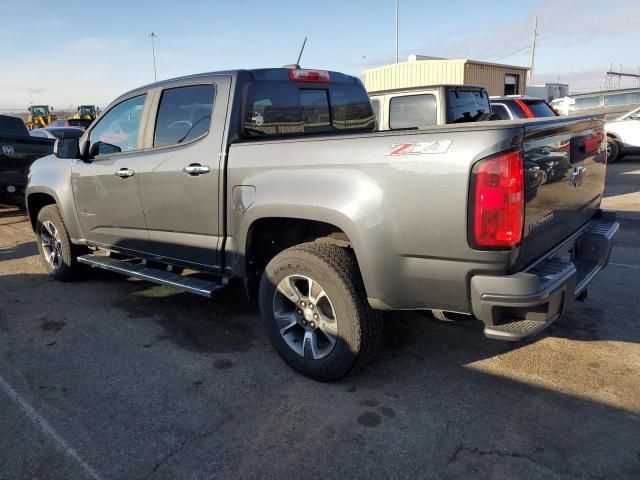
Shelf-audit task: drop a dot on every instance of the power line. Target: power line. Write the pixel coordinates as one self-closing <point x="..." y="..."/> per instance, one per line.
<point x="512" y="53"/>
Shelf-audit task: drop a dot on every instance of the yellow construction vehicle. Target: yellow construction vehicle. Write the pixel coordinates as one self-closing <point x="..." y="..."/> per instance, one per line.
<point x="40" y="116"/>
<point x="88" y="112"/>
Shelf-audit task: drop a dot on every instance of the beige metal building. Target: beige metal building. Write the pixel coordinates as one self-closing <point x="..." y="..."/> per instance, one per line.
<point x="419" y="71"/>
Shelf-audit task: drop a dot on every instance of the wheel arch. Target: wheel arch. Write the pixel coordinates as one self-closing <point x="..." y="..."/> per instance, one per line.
<point x="615" y="137"/>
<point x="264" y="236"/>
<point x="36" y="201"/>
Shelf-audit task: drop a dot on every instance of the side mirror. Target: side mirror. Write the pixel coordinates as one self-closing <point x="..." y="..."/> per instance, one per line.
<point x="102" y="148"/>
<point x="67" y="147"/>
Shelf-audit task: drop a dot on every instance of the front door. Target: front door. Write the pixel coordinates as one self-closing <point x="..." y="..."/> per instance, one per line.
<point x="180" y="172"/>
<point x="106" y="186"/>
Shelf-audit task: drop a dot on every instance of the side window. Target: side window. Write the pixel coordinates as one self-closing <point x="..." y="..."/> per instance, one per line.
<point x="412" y="111"/>
<point x="117" y="130"/>
<point x="375" y="104"/>
<point x="184" y="114"/>
<point x="501" y="111"/>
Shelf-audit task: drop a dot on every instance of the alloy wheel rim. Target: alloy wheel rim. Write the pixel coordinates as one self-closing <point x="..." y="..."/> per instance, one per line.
<point x="305" y="317"/>
<point x="51" y="245"/>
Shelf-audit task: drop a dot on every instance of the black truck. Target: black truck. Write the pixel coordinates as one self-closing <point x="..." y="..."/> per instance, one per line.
<point x="18" y="150"/>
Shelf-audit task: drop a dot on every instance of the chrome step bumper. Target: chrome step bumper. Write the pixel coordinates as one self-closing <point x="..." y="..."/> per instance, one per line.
<point x="516" y="306"/>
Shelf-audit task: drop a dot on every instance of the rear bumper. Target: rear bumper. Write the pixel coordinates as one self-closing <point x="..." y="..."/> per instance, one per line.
<point x="516" y="306"/>
<point x="10" y="178"/>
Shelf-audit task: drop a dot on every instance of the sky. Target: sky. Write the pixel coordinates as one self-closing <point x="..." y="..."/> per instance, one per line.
<point x="90" y="52"/>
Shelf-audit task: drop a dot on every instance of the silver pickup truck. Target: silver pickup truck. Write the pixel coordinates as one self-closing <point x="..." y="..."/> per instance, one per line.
<point x="278" y="177"/>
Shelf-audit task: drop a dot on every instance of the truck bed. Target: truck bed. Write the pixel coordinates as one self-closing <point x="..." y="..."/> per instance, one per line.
<point x="410" y="216"/>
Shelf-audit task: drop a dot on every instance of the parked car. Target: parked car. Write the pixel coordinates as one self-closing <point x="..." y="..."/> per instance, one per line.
<point x="82" y="123"/>
<point x="277" y="177"/>
<point x="57" y="132"/>
<point x="428" y="106"/>
<point x="18" y="151"/>
<point x="623" y="136"/>
<point x="519" y="106"/>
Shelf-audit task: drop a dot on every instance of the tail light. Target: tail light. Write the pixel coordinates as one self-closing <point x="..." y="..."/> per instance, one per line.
<point x="496" y="202"/>
<point x="525" y="108"/>
<point x="316" y="76"/>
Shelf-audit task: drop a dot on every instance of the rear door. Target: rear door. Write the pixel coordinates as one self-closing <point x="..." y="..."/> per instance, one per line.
<point x="571" y="157"/>
<point x="106" y="186"/>
<point x="181" y="171"/>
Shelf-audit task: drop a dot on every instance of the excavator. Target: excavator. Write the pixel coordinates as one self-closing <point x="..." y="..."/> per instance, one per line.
<point x="40" y="116"/>
<point x="87" y="112"/>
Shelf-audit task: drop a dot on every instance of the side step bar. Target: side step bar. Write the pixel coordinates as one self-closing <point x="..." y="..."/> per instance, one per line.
<point x="163" y="277"/>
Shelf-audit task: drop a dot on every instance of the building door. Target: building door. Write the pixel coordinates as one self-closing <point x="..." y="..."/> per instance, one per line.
<point x="511" y="84"/>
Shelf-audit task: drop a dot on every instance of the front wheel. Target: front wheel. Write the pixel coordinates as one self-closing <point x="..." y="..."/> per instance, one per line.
<point x="314" y="308"/>
<point x="613" y="150"/>
<point x="56" y="250"/>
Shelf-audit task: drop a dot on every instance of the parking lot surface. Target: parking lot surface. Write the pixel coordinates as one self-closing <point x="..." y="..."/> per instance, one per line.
<point x="119" y="379"/>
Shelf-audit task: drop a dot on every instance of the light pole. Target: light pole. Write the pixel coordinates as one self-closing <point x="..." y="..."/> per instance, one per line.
<point x="397" y="10"/>
<point x="364" y="58"/>
<point x="153" y="36"/>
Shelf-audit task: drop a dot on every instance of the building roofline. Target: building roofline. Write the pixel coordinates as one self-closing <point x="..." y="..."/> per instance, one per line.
<point x="449" y="60"/>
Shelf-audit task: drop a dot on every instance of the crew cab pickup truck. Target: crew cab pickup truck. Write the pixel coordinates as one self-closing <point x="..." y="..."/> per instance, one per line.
<point x="278" y="177"/>
<point x="17" y="151"/>
<point x="428" y="106"/>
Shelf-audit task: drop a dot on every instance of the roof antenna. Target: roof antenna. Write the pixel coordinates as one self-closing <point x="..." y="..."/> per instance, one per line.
<point x="300" y="55"/>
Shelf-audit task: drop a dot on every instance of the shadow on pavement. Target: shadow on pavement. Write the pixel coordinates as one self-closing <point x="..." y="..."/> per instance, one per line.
<point x="22" y="250"/>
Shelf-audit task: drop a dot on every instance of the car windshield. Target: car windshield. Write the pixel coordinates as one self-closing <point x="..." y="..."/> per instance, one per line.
<point x="632" y="114"/>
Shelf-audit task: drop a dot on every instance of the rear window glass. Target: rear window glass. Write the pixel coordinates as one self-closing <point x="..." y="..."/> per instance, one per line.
<point x="285" y="108"/>
<point x="375" y="104"/>
<point x="540" y="109"/>
<point x="412" y="111"/>
<point x="184" y="114"/>
<point x="79" y="122"/>
<point x="467" y="105"/>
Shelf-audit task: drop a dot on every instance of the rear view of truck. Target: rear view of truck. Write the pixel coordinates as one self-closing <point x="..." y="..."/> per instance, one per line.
<point x="542" y="199"/>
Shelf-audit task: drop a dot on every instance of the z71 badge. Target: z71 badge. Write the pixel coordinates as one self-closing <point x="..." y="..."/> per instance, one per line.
<point x="420" y="148"/>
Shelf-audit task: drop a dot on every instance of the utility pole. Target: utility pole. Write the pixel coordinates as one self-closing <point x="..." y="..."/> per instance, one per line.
<point x="364" y="58"/>
<point x="153" y="36"/>
<point x="533" y="51"/>
<point x="397" y="10"/>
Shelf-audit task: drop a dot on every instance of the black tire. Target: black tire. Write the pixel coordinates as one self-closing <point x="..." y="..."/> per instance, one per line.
<point x="67" y="268"/>
<point x="613" y="150"/>
<point x="359" y="327"/>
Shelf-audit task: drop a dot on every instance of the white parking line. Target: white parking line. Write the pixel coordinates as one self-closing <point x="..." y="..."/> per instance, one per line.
<point x="39" y="420"/>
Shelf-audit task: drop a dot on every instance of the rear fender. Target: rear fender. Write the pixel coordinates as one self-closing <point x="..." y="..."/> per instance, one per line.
<point x="351" y="201"/>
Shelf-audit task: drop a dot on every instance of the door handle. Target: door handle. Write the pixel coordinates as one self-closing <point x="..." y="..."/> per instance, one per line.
<point x="125" y="172"/>
<point x="196" y="169"/>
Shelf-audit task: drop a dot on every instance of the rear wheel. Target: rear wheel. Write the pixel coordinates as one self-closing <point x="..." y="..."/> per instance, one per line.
<point x="613" y="150"/>
<point x="314" y="307"/>
<point x="56" y="250"/>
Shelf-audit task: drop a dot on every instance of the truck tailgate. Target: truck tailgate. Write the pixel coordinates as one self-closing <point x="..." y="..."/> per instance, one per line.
<point x="17" y="154"/>
<point x="565" y="167"/>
